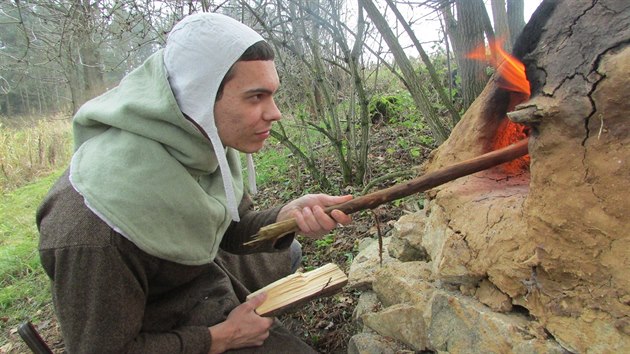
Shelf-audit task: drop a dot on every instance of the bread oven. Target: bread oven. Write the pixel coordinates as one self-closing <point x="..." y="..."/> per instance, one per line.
<point x="534" y="254"/>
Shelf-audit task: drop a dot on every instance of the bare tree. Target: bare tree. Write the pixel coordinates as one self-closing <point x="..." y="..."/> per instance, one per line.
<point x="509" y="20"/>
<point x="435" y="80"/>
<point x="24" y="73"/>
<point x="87" y="44"/>
<point x="314" y="37"/>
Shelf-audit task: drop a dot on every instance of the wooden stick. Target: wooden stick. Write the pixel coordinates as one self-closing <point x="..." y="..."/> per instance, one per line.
<point x="416" y="185"/>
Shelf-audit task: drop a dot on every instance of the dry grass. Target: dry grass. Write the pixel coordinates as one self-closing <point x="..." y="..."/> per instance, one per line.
<point x="31" y="148"/>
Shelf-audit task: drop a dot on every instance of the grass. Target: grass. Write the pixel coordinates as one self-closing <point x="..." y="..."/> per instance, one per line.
<point x="24" y="287"/>
<point x="271" y="163"/>
<point x="32" y="153"/>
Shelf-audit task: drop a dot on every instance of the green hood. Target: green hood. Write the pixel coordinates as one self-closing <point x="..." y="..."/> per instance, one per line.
<point x="149" y="172"/>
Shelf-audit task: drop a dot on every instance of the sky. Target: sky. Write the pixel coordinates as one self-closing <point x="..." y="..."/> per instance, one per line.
<point x="530" y="7"/>
<point x="427" y="27"/>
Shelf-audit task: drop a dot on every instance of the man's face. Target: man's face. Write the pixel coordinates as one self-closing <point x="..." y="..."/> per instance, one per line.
<point x="244" y="113"/>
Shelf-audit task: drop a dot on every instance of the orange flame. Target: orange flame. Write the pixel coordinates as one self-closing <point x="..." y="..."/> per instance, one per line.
<point x="511" y="71"/>
<point x="511" y="76"/>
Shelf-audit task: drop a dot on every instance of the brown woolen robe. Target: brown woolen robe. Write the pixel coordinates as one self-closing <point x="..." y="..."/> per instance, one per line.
<point x="112" y="297"/>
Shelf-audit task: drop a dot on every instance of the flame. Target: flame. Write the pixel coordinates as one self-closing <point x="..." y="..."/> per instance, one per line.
<point x="511" y="76"/>
<point x="511" y="71"/>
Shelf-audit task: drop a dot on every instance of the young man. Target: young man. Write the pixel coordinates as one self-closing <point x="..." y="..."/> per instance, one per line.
<point x="135" y="236"/>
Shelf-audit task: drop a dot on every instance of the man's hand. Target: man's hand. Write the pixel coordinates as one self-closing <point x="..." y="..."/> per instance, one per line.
<point x="242" y="328"/>
<point x="309" y="213"/>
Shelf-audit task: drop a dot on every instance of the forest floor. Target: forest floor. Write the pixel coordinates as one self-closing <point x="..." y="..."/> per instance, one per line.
<point x="326" y="323"/>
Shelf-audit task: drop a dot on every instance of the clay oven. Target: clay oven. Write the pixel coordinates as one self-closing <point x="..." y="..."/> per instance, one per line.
<point x="533" y="259"/>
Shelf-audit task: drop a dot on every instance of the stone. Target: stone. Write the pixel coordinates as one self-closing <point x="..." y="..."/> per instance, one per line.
<point x="367" y="343"/>
<point x="406" y="244"/>
<point x="400" y="249"/>
<point x="368" y="302"/>
<point x="591" y="324"/>
<point x="491" y="296"/>
<point x="408" y="282"/>
<point x="402" y="322"/>
<point x="366" y="262"/>
<point x="365" y="242"/>
<point x="459" y="324"/>
<point x="468" y="289"/>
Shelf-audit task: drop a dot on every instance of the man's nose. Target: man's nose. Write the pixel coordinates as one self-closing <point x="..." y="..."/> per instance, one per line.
<point x="272" y="112"/>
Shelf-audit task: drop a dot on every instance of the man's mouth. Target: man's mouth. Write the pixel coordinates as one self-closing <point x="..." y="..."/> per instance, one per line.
<point x="264" y="134"/>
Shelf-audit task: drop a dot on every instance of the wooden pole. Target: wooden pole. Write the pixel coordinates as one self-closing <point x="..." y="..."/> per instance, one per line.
<point x="416" y="185"/>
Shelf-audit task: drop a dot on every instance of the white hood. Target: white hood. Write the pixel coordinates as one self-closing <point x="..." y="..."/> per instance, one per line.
<point x="199" y="51"/>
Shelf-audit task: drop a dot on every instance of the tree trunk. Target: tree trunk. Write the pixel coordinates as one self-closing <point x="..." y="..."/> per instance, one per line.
<point x="40" y="103"/>
<point x="470" y="35"/>
<point x="26" y="101"/>
<point x="359" y="86"/>
<point x="80" y="57"/>
<point x="501" y="28"/>
<point x="516" y="18"/>
<point x="466" y="32"/>
<point x="89" y="59"/>
<point x="8" y="107"/>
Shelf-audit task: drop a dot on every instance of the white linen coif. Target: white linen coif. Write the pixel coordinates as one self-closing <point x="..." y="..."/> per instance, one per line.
<point x="199" y="51"/>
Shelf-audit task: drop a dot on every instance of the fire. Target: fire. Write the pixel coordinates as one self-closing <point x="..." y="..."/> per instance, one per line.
<point x="511" y="76"/>
<point x="508" y="133"/>
<point x="511" y="71"/>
